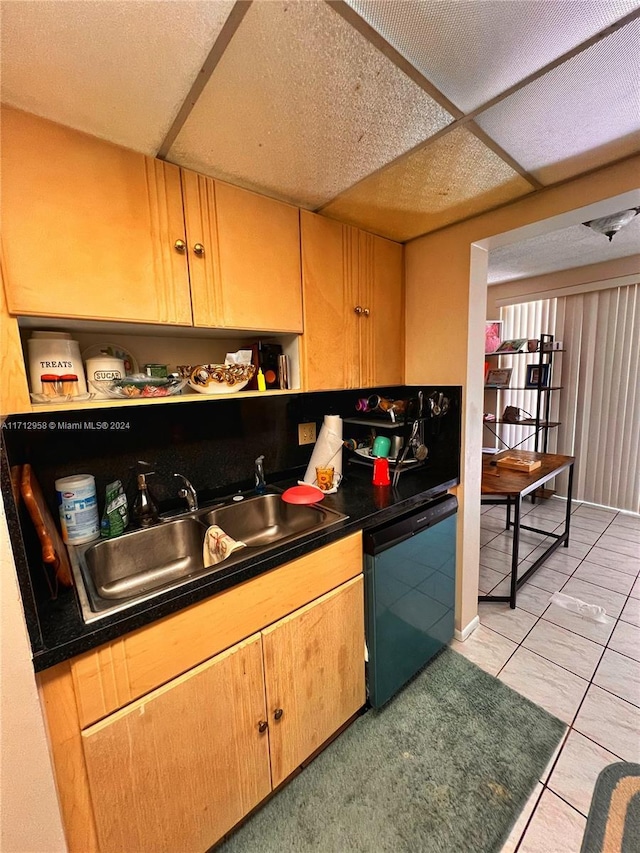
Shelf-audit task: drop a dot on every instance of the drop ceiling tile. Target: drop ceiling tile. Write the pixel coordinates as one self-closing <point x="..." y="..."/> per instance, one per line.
<point x="454" y="177"/>
<point x="301" y="106"/>
<point x="118" y="70"/>
<point x="473" y="51"/>
<point x="579" y="116"/>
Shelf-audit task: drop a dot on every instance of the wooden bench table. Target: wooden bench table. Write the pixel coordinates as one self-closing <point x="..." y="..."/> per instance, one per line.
<point x="505" y="486"/>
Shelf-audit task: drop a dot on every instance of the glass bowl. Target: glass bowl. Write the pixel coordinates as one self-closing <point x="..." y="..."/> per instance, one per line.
<point x="139" y="386"/>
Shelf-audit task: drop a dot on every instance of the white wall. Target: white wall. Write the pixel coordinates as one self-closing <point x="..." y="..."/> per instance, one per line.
<point x="29" y="814"/>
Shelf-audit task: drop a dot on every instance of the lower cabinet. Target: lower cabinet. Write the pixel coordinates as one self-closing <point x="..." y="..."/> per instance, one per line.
<point x="177" y="768"/>
<point x="314" y="675"/>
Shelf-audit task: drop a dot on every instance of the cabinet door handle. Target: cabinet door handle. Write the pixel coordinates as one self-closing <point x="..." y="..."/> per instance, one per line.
<point x="263" y="725"/>
<point x="278" y="713"/>
<point x="198" y="248"/>
<point x="180" y="246"/>
<point x="366" y="312"/>
<point x="358" y="310"/>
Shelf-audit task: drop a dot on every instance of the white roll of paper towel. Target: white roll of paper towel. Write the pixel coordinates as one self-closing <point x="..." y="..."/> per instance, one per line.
<point x="328" y="450"/>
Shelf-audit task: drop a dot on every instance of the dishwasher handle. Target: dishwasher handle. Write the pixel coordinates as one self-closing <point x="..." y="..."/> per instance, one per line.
<point x="399" y="529"/>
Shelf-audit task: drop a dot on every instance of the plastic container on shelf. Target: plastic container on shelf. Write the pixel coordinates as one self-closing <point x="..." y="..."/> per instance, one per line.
<point x="78" y="508"/>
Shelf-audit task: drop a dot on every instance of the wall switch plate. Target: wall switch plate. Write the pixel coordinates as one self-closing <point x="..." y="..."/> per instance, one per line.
<point x="306" y="433"/>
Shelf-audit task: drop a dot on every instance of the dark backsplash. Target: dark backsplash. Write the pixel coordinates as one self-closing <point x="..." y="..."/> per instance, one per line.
<point x="213" y="443"/>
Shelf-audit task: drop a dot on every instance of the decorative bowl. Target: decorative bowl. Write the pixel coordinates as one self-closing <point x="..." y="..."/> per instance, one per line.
<point x="140" y="386"/>
<point x="220" y="378"/>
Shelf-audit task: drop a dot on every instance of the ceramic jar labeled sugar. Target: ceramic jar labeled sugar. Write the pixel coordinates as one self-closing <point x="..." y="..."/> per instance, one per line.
<point x="102" y="370"/>
<point x="55" y="365"/>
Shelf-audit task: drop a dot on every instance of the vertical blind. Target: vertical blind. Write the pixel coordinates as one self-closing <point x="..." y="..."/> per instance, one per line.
<point x="599" y="404"/>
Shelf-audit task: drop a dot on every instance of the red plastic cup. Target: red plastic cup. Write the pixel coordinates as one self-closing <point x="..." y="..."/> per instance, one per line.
<point x="381" y="472"/>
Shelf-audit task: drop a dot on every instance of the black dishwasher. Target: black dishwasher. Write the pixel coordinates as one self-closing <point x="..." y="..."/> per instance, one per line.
<point x="409" y="593"/>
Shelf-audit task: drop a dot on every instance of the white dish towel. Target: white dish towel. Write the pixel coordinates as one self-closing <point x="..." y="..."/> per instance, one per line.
<point x="218" y="545"/>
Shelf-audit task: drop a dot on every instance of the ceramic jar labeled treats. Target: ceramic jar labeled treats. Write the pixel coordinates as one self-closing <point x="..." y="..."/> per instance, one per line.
<point x="55" y="365"/>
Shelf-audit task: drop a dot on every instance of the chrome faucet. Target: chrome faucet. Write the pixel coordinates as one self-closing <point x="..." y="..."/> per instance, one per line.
<point x="188" y="493"/>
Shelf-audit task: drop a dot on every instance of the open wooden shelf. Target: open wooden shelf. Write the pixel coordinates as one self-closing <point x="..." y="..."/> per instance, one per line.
<point x="87" y="405"/>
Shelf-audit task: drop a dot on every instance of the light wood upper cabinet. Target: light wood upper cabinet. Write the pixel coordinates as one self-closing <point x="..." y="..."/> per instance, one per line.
<point x="89" y="227"/>
<point x="353" y="306"/>
<point x="330" y="344"/>
<point x="14" y="392"/>
<point x="177" y="769"/>
<point x="95" y="231"/>
<point x="244" y="257"/>
<point x="382" y="294"/>
<point x="199" y="197"/>
<point x="314" y="674"/>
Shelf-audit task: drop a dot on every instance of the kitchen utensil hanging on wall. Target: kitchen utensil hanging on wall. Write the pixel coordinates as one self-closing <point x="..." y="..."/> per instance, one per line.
<point x="420" y="450"/>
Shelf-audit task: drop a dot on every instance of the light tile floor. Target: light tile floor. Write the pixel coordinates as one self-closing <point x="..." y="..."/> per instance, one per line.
<point x="586" y="673"/>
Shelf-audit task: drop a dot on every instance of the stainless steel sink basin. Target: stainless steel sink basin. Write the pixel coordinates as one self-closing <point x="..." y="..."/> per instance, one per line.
<point x="147" y="559"/>
<point x="264" y="520"/>
<point x="116" y="573"/>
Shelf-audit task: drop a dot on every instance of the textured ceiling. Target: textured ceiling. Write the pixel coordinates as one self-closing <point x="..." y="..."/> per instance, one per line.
<point x="473" y="51"/>
<point x="117" y="69"/>
<point x="454" y="177"/>
<point x="557" y="126"/>
<point x="400" y="116"/>
<point x="576" y="246"/>
<point x="315" y="110"/>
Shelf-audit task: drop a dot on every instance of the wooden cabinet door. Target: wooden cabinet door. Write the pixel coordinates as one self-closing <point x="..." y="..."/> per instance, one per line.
<point x="89" y="227"/>
<point x="330" y="344"/>
<point x="14" y="392"/>
<point x="382" y="294"/>
<point x="177" y="769"/>
<point x="259" y="251"/>
<point x="314" y="673"/>
<point x="199" y="198"/>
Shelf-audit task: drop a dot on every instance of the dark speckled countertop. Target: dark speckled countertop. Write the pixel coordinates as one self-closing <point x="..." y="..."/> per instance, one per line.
<point x="64" y="634"/>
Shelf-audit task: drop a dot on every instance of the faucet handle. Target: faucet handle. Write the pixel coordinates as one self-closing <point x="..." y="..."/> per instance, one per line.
<point x="184" y="479"/>
<point x="141" y="466"/>
<point x="188" y="492"/>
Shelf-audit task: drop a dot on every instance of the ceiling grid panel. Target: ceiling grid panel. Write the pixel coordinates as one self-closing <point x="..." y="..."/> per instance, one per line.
<point x="473" y="51"/>
<point x="301" y="106"/>
<point x="234" y="19"/>
<point x="580" y="115"/>
<point x="454" y="178"/>
<point x="118" y="70"/>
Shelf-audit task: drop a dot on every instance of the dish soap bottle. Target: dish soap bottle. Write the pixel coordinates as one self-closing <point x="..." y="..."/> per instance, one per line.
<point x="261" y="486"/>
<point x="145" y="511"/>
<point x="262" y="382"/>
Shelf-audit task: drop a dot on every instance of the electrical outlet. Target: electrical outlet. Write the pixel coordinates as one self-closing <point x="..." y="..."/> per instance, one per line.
<point x="306" y="433"/>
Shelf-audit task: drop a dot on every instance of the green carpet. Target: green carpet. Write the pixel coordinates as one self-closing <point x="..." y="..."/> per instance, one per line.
<point x="614" y="815"/>
<point x="445" y="766"/>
